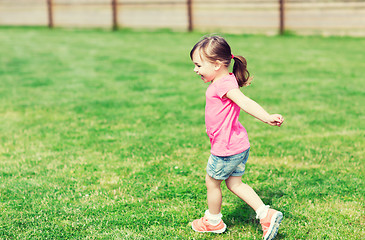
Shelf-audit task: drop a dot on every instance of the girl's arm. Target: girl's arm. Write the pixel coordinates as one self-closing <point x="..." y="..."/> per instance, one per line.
<point x="253" y="108"/>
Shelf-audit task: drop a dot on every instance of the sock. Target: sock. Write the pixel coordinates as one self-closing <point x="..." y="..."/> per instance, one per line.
<point x="213" y="219"/>
<point x="261" y="212"/>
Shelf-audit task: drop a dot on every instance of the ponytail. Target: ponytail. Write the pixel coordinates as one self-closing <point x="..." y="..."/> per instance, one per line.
<point x="240" y="71"/>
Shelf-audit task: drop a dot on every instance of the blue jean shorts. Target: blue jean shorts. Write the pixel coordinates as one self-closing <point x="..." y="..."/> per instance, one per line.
<point x="221" y="168"/>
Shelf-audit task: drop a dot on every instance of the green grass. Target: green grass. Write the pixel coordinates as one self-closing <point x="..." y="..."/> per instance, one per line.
<point x="102" y="136"/>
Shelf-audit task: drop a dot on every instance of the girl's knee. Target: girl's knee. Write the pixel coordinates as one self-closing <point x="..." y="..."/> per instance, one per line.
<point x="211" y="182"/>
<point x="233" y="185"/>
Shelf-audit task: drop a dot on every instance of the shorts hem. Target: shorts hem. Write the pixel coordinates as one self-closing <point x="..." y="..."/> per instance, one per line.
<point x="219" y="178"/>
<point x="225" y="178"/>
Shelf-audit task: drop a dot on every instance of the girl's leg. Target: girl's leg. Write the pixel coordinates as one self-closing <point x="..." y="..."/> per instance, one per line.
<point x="269" y="218"/>
<point x="245" y="192"/>
<point x="212" y="220"/>
<point x="214" y="194"/>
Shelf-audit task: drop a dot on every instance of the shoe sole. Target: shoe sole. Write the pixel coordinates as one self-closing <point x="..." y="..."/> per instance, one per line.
<point x="214" y="231"/>
<point x="274" y="226"/>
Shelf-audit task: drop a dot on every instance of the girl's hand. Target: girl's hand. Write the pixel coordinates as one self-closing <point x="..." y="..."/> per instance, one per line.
<point x="275" y="120"/>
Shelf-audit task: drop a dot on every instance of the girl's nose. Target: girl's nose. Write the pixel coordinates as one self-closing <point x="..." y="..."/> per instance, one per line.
<point x="196" y="69"/>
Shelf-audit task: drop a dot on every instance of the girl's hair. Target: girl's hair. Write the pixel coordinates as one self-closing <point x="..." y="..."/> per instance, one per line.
<point x="216" y="48"/>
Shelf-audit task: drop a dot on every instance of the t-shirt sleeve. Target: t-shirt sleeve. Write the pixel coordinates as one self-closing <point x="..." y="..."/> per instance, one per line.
<point x="226" y="85"/>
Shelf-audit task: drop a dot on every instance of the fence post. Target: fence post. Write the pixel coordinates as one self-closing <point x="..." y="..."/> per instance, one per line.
<point x="282" y="16"/>
<point x="190" y="15"/>
<point x="50" y="13"/>
<point x="115" y="14"/>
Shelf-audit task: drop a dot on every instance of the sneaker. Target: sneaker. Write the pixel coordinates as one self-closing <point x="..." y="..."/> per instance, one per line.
<point x="202" y="225"/>
<point x="270" y="224"/>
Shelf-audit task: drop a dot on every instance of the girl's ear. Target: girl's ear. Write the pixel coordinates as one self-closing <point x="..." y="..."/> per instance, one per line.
<point x="218" y="64"/>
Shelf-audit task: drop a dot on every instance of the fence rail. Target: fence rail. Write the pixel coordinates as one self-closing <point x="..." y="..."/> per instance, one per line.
<point x="328" y="17"/>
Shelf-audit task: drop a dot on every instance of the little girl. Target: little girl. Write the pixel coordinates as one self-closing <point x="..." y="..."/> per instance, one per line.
<point x="229" y="141"/>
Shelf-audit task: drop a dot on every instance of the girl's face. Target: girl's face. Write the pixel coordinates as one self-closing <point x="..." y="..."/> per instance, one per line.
<point x="204" y="68"/>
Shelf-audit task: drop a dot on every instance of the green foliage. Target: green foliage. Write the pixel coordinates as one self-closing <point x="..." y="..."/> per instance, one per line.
<point x="102" y="136"/>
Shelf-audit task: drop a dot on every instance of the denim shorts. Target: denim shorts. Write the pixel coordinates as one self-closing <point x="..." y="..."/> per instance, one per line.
<point x="221" y="168"/>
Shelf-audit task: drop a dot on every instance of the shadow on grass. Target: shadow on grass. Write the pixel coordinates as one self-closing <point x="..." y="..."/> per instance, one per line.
<point x="243" y="215"/>
<point x="246" y="218"/>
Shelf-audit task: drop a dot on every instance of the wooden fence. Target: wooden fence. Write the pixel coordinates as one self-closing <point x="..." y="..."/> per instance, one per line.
<point x="326" y="17"/>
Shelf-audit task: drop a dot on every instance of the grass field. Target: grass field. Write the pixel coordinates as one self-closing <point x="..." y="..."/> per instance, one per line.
<point x="102" y="136"/>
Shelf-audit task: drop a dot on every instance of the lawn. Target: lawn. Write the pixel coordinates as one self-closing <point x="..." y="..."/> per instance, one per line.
<point x="102" y="135"/>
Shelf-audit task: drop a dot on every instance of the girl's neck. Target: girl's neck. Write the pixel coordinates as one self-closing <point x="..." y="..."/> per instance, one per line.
<point x="220" y="74"/>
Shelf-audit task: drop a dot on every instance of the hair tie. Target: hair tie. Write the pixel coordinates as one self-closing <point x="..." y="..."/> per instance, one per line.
<point x="232" y="56"/>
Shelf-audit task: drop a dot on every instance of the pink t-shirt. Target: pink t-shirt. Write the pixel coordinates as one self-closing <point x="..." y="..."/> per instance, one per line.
<point x="227" y="135"/>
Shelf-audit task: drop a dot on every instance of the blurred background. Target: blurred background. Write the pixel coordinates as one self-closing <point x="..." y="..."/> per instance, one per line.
<point x="319" y="17"/>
